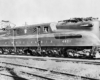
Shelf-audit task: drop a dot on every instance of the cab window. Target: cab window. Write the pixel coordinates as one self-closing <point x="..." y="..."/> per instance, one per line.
<point x="45" y="29"/>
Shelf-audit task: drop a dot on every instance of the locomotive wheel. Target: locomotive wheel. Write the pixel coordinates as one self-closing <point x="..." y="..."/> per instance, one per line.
<point x="44" y="53"/>
<point x="28" y="52"/>
<point x="5" y="51"/>
<point x="20" y="51"/>
<point x="60" y="53"/>
<point x="12" y="52"/>
<point x="49" y="53"/>
<point x="56" y="53"/>
<point x="34" y="52"/>
<point x="52" y="53"/>
<point x="82" y="54"/>
<point x="70" y="53"/>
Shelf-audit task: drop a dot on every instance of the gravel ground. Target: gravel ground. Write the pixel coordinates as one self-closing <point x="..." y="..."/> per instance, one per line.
<point x="87" y="70"/>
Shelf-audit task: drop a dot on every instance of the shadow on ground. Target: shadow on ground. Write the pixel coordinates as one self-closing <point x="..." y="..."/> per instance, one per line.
<point x="15" y="76"/>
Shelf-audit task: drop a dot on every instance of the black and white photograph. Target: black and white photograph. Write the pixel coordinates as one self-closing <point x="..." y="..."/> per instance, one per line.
<point x="49" y="39"/>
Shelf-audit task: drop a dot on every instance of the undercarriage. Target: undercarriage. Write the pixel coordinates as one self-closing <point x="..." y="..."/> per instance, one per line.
<point x="72" y="52"/>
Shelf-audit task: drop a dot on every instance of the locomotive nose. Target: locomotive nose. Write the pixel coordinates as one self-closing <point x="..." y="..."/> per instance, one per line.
<point x="95" y="28"/>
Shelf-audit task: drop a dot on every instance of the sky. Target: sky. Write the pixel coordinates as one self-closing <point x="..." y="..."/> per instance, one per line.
<point x="44" y="11"/>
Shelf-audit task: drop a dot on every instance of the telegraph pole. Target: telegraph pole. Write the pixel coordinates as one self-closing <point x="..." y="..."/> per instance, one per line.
<point x="38" y="40"/>
<point x="14" y="45"/>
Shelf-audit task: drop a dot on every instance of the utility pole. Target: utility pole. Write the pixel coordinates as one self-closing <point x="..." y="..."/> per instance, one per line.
<point x="25" y="23"/>
<point x="38" y="40"/>
<point x="14" y="45"/>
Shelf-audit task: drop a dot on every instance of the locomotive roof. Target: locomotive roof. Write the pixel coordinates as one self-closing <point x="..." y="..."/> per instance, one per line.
<point x="34" y="25"/>
<point x="74" y="21"/>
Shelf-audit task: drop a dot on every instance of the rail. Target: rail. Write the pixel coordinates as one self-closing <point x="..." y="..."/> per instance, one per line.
<point x="51" y="71"/>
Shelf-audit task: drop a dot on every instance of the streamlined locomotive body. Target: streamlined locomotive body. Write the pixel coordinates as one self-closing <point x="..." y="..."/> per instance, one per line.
<point x="75" y="37"/>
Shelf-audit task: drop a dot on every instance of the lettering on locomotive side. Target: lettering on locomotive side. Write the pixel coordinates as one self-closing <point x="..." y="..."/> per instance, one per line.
<point x="66" y="41"/>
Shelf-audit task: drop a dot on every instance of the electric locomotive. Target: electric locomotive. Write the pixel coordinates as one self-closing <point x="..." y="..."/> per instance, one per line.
<point x="77" y="37"/>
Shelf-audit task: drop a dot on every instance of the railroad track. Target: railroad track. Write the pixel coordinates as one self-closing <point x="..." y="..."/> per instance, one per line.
<point x="78" y="61"/>
<point x="12" y="76"/>
<point x="16" y="77"/>
<point x="74" y="60"/>
<point x="53" y="75"/>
